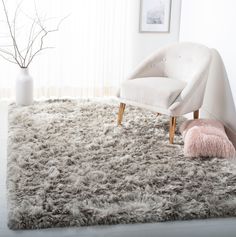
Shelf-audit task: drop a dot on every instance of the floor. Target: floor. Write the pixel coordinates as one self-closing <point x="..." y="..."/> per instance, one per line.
<point x="212" y="227"/>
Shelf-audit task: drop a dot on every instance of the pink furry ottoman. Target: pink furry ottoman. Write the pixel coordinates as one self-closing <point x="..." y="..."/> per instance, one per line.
<point x="206" y="138"/>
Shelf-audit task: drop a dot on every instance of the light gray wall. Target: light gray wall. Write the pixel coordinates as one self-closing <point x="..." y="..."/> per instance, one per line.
<point x="144" y="44"/>
<point x="211" y="22"/>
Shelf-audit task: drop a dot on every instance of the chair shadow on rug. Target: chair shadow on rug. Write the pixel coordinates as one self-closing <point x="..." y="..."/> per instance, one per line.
<point x="172" y="123"/>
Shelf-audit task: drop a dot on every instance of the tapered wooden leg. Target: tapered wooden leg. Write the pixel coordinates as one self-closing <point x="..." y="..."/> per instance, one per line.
<point x="196" y="114"/>
<point x="121" y="112"/>
<point x="172" y="129"/>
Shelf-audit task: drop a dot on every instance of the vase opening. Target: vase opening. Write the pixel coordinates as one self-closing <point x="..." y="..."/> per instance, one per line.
<point x="24" y="70"/>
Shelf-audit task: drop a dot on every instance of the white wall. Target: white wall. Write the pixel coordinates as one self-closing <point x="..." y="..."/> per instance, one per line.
<point x="144" y="44"/>
<point x="211" y="22"/>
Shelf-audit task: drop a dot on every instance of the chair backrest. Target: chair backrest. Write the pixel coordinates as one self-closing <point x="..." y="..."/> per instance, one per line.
<point x="184" y="60"/>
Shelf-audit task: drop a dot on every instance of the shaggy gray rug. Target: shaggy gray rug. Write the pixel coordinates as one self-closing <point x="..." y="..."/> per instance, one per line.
<point x="70" y="165"/>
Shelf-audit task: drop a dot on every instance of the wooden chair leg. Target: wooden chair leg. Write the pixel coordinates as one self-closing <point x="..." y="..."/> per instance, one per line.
<point x="172" y="129"/>
<point x="121" y="112"/>
<point x="196" y="114"/>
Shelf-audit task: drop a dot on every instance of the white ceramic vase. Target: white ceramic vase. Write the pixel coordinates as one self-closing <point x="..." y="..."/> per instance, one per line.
<point x="24" y="88"/>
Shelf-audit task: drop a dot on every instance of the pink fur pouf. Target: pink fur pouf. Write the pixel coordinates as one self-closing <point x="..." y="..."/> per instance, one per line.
<point x="206" y="138"/>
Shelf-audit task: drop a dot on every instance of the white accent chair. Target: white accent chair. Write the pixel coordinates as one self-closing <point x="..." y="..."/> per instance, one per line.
<point x="172" y="81"/>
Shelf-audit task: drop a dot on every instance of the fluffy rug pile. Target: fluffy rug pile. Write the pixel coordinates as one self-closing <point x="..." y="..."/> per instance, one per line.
<point x="70" y="165"/>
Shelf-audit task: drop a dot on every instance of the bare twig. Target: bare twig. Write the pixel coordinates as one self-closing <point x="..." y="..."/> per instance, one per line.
<point x="36" y="37"/>
<point x="14" y="29"/>
<point x="15" y="16"/>
<point x="37" y="52"/>
<point x="46" y="32"/>
<point x="28" y="48"/>
<point x="8" y="59"/>
<point x="6" y="46"/>
<point x="31" y="43"/>
<point x="11" y="34"/>
<point x="6" y="52"/>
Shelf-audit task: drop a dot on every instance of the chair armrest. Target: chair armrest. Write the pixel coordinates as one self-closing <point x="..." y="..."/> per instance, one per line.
<point x="192" y="95"/>
<point x="195" y="82"/>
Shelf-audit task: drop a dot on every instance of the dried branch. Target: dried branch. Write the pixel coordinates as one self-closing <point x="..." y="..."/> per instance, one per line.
<point x="15" y="16"/>
<point x="46" y="32"/>
<point x="28" y="48"/>
<point x="37" y="52"/>
<point x="8" y="59"/>
<point x="6" y="46"/>
<point x="6" y="52"/>
<point x="35" y="37"/>
<point x="11" y="34"/>
<point x="14" y="30"/>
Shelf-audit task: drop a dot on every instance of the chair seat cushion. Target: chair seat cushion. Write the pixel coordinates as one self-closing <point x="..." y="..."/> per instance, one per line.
<point x="154" y="91"/>
<point x="206" y="138"/>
